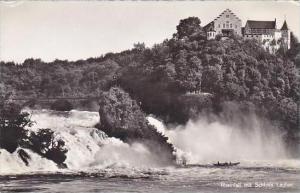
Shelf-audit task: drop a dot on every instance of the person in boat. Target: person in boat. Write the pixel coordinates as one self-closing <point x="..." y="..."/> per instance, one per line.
<point x="183" y="161"/>
<point x="226" y="164"/>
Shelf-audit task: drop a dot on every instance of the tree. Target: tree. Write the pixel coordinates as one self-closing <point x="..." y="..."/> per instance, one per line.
<point x="13" y="134"/>
<point x="45" y="144"/>
<point x="188" y="26"/>
<point x="294" y="52"/>
<point x="294" y="41"/>
<point x="210" y="79"/>
<point x="188" y="71"/>
<point x="12" y="124"/>
<point x="139" y="46"/>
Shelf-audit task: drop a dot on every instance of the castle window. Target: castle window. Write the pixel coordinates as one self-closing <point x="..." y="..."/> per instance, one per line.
<point x="235" y="26"/>
<point x="219" y="26"/>
<point x="231" y="25"/>
<point x="223" y="25"/>
<point x="227" y="25"/>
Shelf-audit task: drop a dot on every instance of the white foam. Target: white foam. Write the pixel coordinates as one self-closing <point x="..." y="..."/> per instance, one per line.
<point x="88" y="148"/>
<point x="202" y="141"/>
<point x="198" y="141"/>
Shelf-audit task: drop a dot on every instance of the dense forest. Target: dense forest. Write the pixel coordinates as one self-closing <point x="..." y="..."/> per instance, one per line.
<point x="177" y="79"/>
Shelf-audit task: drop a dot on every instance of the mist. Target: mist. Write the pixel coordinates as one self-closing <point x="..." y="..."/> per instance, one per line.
<point x="226" y="137"/>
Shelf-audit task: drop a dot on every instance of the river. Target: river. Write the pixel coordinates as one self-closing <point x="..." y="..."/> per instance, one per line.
<point x="97" y="163"/>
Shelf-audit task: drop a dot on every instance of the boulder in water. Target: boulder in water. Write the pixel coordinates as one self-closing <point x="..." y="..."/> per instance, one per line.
<point x="121" y="117"/>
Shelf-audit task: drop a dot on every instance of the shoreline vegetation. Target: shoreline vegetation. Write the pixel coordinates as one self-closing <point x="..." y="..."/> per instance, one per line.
<point x="176" y="80"/>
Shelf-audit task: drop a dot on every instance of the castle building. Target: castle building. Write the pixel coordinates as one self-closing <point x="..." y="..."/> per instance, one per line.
<point x="265" y="32"/>
<point x="227" y="22"/>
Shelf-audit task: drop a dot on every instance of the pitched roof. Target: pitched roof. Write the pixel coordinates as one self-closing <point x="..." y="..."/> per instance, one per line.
<point x="284" y="26"/>
<point x="261" y="24"/>
<point x="228" y="11"/>
<point x="209" y="26"/>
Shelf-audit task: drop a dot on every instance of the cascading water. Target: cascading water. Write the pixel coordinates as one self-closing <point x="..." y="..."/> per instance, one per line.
<point x="88" y="148"/>
<point x="201" y="142"/>
<point x="205" y="141"/>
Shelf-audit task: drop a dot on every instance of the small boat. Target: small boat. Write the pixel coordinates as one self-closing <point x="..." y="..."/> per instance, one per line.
<point x="226" y="164"/>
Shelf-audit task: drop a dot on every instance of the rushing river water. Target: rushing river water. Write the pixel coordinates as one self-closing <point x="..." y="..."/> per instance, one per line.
<point x="97" y="163"/>
<point x="239" y="179"/>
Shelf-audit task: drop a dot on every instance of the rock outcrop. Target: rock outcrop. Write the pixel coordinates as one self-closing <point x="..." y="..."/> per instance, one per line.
<point x="121" y="117"/>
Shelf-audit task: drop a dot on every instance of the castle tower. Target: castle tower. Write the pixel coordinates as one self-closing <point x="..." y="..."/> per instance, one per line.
<point x="285" y="35"/>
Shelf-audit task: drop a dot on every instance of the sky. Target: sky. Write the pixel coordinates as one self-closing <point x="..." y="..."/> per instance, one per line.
<point x="75" y="30"/>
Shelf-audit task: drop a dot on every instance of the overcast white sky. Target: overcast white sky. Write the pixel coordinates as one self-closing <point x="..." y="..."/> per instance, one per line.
<point x="82" y="29"/>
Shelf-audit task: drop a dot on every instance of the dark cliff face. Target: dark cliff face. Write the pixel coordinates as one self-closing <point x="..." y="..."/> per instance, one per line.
<point x="121" y="117"/>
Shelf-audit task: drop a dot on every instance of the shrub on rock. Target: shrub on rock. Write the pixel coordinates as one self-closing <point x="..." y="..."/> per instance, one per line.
<point x="13" y="134"/>
<point x="121" y="117"/>
<point x="12" y="124"/>
<point x="45" y="144"/>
